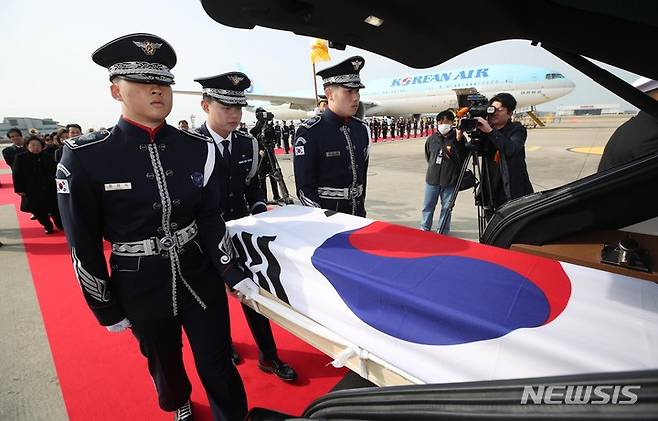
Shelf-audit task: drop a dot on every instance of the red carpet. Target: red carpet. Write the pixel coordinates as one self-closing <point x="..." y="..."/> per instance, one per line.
<point x="104" y="377"/>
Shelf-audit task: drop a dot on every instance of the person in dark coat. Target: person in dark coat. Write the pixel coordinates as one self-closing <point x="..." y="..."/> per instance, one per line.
<point x="507" y="168"/>
<point x="285" y="136"/>
<point x="34" y="181"/>
<point x="635" y="138"/>
<point x="444" y="153"/>
<point x="277" y="134"/>
<point x="10" y="152"/>
<point x="292" y="129"/>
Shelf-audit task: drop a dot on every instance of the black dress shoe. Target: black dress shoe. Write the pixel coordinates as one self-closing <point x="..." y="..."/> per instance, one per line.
<point x="184" y="413"/>
<point x="235" y="357"/>
<point x="48" y="231"/>
<point x="278" y="367"/>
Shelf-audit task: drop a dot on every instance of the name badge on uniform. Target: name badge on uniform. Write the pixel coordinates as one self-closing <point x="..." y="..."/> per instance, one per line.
<point x="118" y="186"/>
<point x="331" y="154"/>
<point x="299" y="150"/>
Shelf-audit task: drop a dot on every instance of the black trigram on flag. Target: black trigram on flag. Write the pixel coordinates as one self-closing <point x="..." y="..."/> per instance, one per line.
<point x="257" y="257"/>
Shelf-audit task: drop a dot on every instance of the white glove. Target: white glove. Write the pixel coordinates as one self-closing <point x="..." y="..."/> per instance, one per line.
<point x="119" y="327"/>
<point x="248" y="288"/>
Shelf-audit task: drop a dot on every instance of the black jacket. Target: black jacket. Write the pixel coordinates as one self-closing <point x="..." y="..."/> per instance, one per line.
<point x="633" y="139"/>
<point x="444" y="156"/>
<point x="34" y="175"/>
<point x="135" y="184"/>
<point x="51" y="151"/>
<point x="241" y="193"/>
<point x="9" y="154"/>
<point x="506" y="156"/>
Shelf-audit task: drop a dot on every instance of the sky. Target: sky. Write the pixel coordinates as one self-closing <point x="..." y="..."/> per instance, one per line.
<point x="46" y="69"/>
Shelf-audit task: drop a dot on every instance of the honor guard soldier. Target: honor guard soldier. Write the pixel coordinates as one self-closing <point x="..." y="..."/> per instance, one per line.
<point x="331" y="149"/>
<point x="322" y="103"/>
<point x="223" y="99"/>
<point x="152" y="191"/>
<point x="285" y="135"/>
<point x="292" y="130"/>
<point x="377" y="125"/>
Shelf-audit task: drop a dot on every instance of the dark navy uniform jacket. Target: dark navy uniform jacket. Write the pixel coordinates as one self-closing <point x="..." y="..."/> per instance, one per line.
<point x="131" y="184"/>
<point x="331" y="163"/>
<point x="241" y="192"/>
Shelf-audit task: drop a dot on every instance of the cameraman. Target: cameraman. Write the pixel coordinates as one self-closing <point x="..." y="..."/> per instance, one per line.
<point x="263" y="131"/>
<point x="504" y="150"/>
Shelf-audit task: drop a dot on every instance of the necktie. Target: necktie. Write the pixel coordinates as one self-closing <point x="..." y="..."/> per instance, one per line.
<point x="227" y="153"/>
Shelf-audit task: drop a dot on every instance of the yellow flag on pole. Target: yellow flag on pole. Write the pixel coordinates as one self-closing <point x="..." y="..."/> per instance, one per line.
<point x="320" y="51"/>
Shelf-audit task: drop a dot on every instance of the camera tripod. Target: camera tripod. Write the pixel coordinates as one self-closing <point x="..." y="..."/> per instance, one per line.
<point x="276" y="174"/>
<point x="483" y="197"/>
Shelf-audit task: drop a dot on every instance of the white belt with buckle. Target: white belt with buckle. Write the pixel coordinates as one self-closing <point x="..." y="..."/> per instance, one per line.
<point x="154" y="246"/>
<point x="337" y="193"/>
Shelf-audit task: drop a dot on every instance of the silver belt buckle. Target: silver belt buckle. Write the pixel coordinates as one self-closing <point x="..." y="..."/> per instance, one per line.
<point x="353" y="192"/>
<point x="167" y="243"/>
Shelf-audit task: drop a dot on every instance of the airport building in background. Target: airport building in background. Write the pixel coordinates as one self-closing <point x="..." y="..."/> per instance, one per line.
<point x="43" y="125"/>
<point x="588" y="109"/>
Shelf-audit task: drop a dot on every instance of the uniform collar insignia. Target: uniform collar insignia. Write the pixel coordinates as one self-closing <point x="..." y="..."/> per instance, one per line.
<point x="235" y="79"/>
<point x="148" y="47"/>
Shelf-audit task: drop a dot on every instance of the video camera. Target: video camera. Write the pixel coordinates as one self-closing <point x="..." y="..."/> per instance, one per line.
<point x="479" y="107"/>
<point x="263" y="115"/>
<point x="263" y="130"/>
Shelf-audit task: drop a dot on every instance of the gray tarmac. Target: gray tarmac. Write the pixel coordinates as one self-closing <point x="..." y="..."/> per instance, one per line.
<point x="29" y="388"/>
<point x="396" y="174"/>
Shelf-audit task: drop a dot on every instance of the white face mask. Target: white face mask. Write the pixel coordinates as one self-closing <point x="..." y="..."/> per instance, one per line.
<point x="444" y="128"/>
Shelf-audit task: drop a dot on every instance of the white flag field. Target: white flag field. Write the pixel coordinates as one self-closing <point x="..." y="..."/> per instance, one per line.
<point x="441" y="309"/>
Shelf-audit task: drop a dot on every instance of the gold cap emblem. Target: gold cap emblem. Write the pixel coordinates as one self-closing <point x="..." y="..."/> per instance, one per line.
<point x="235" y="79"/>
<point x="148" y="47"/>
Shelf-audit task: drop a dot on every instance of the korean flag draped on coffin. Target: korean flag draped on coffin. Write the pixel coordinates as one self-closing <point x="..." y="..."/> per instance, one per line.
<point x="449" y="310"/>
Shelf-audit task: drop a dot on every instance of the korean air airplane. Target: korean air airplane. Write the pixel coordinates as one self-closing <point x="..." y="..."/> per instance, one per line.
<point x="432" y="91"/>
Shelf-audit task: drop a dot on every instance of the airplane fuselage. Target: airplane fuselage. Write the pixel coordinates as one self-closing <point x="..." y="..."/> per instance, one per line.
<point x="436" y="90"/>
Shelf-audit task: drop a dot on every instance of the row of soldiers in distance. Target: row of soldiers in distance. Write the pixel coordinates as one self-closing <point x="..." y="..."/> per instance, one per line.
<point x="382" y="127"/>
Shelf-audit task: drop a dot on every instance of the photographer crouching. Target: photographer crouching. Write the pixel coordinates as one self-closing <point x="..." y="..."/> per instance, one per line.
<point x="505" y="153"/>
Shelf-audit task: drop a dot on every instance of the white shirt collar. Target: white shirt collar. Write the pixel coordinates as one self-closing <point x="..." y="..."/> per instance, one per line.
<point x="218" y="138"/>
